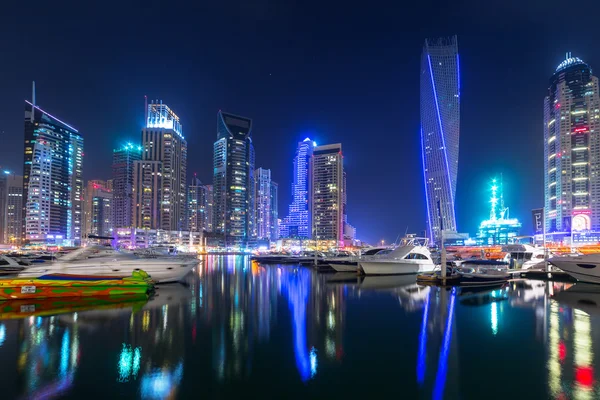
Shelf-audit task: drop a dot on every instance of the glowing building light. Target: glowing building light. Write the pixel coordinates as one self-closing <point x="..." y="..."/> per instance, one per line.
<point x="423" y="343"/>
<point x="314" y="363"/>
<point x="494" y="318"/>
<point x="440" y="378"/>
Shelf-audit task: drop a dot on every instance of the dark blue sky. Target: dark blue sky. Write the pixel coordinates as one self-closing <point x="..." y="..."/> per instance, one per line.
<point x="337" y="71"/>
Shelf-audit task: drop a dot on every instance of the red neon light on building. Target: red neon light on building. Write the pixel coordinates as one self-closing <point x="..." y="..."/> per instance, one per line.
<point x="562" y="351"/>
<point x="581" y="129"/>
<point x="584" y="376"/>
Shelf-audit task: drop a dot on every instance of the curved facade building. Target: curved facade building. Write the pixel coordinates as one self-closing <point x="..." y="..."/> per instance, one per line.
<point x="440" y="131"/>
<point x="572" y="150"/>
<point x="233" y="178"/>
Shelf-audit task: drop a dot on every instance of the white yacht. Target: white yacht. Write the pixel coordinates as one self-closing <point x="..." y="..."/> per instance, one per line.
<point x="525" y="256"/>
<point x="411" y="257"/>
<point x="584" y="268"/>
<point x="103" y="260"/>
<point x="350" y="263"/>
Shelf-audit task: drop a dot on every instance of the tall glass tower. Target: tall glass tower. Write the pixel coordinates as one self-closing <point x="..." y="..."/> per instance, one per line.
<point x="297" y="223"/>
<point x="440" y="129"/>
<point x="572" y="152"/>
<point x="233" y="179"/>
<point x="122" y="173"/>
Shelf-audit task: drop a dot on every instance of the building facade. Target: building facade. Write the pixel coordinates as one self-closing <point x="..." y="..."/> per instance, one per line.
<point x="297" y="223"/>
<point x="98" y="214"/>
<point x="52" y="179"/>
<point x="572" y="150"/>
<point x="440" y="131"/>
<point x="265" y="210"/>
<point x="199" y="217"/>
<point x="13" y="220"/>
<point x="163" y="163"/>
<point x="122" y="184"/>
<point x="233" y="179"/>
<point x="327" y="193"/>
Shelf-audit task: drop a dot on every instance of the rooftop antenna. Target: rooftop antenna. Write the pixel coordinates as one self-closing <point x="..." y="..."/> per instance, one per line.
<point x="32" y="100"/>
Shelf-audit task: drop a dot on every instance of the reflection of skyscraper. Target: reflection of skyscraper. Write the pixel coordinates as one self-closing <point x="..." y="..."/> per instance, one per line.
<point x="297" y="223"/>
<point x="233" y="180"/>
<point x="52" y="178"/>
<point x="122" y="173"/>
<point x="572" y="150"/>
<point x="440" y="127"/>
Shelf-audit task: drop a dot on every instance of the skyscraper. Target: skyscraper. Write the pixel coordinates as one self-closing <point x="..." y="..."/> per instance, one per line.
<point x="98" y="215"/>
<point x="440" y="128"/>
<point x="160" y="180"/>
<point x="52" y="178"/>
<point x="327" y="192"/>
<point x="265" y="211"/>
<point x="297" y="223"/>
<point x="13" y="211"/>
<point x="198" y="205"/>
<point x="572" y="149"/>
<point x="233" y="180"/>
<point x="122" y="182"/>
<point x="274" y="211"/>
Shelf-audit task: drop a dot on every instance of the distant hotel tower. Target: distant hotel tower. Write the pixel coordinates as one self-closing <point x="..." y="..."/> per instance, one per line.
<point x="233" y="180"/>
<point x="440" y="127"/>
<point x="98" y="217"/>
<point x="199" y="206"/>
<point x="11" y="206"/>
<point x="160" y="182"/>
<point x="327" y="193"/>
<point x="52" y="178"/>
<point x="572" y="150"/>
<point x="122" y="182"/>
<point x="266" y="215"/>
<point x="297" y="223"/>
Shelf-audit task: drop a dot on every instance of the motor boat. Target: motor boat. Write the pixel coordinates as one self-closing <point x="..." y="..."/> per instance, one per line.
<point x="412" y="256"/>
<point x="104" y="260"/>
<point x="584" y="268"/>
<point x="481" y="263"/>
<point x="482" y="275"/>
<point x="525" y="256"/>
<point x="350" y="263"/>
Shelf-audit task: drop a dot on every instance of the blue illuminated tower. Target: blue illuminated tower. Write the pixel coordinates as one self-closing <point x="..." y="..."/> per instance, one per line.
<point x="297" y="223"/>
<point x="123" y="184"/>
<point x="440" y="128"/>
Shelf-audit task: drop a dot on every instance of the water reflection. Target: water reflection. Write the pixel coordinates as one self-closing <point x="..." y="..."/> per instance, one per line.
<point x="237" y="324"/>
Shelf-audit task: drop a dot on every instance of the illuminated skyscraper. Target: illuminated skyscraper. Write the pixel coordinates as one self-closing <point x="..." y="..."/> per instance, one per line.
<point x="265" y="205"/>
<point x="297" y="223"/>
<point x="122" y="184"/>
<point x="440" y="128"/>
<point x="572" y="150"/>
<point x="327" y="192"/>
<point x="233" y="179"/>
<point x="160" y="182"/>
<point x="98" y="218"/>
<point x="52" y="178"/>
<point x="198" y="206"/>
<point x="274" y="223"/>
<point x="13" y="227"/>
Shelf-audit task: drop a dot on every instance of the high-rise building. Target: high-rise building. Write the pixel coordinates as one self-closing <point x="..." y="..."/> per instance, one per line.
<point x="327" y="192"/>
<point x="233" y="180"/>
<point x="13" y="211"/>
<point x="3" y="200"/>
<point x="265" y="205"/>
<point x="122" y="184"/>
<point x="572" y="150"/>
<point x="199" y="217"/>
<point x="52" y="178"/>
<point x="297" y="223"/>
<point x="98" y="215"/>
<point x="160" y="180"/>
<point x="440" y="129"/>
<point x="274" y="211"/>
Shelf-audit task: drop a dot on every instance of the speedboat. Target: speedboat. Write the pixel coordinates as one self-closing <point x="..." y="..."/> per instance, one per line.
<point x="411" y="257"/>
<point x="584" y="268"/>
<point x="350" y="264"/>
<point x="103" y="260"/>
<point x="525" y="256"/>
<point x="482" y="276"/>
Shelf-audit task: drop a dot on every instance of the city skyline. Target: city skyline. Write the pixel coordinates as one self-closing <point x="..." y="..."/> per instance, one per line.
<point x="348" y="87"/>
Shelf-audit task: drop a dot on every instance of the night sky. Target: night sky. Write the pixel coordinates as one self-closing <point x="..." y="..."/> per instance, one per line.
<point x="335" y="71"/>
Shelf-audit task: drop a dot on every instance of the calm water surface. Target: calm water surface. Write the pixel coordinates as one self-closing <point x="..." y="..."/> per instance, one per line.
<point x="239" y="329"/>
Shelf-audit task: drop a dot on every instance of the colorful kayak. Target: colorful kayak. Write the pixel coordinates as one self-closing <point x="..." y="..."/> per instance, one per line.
<point x="68" y="285"/>
<point x="18" y="309"/>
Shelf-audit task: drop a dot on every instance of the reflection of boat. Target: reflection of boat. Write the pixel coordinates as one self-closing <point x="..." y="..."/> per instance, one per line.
<point x="386" y="282"/>
<point x="411" y="257"/>
<point x="103" y="260"/>
<point x="68" y="285"/>
<point x="477" y="295"/>
<point x="582" y="296"/>
<point x="169" y="295"/>
<point x="17" y="309"/>
<point x="343" y="277"/>
<point x="584" y="268"/>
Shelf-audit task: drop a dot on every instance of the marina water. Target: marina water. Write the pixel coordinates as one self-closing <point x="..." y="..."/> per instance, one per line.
<point x="237" y="329"/>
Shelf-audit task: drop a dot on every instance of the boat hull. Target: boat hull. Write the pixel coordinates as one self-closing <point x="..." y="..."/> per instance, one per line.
<point x="400" y="267"/>
<point x="482" y="279"/>
<point x="344" y="267"/>
<point x="64" y="285"/>
<point x="584" y="274"/>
